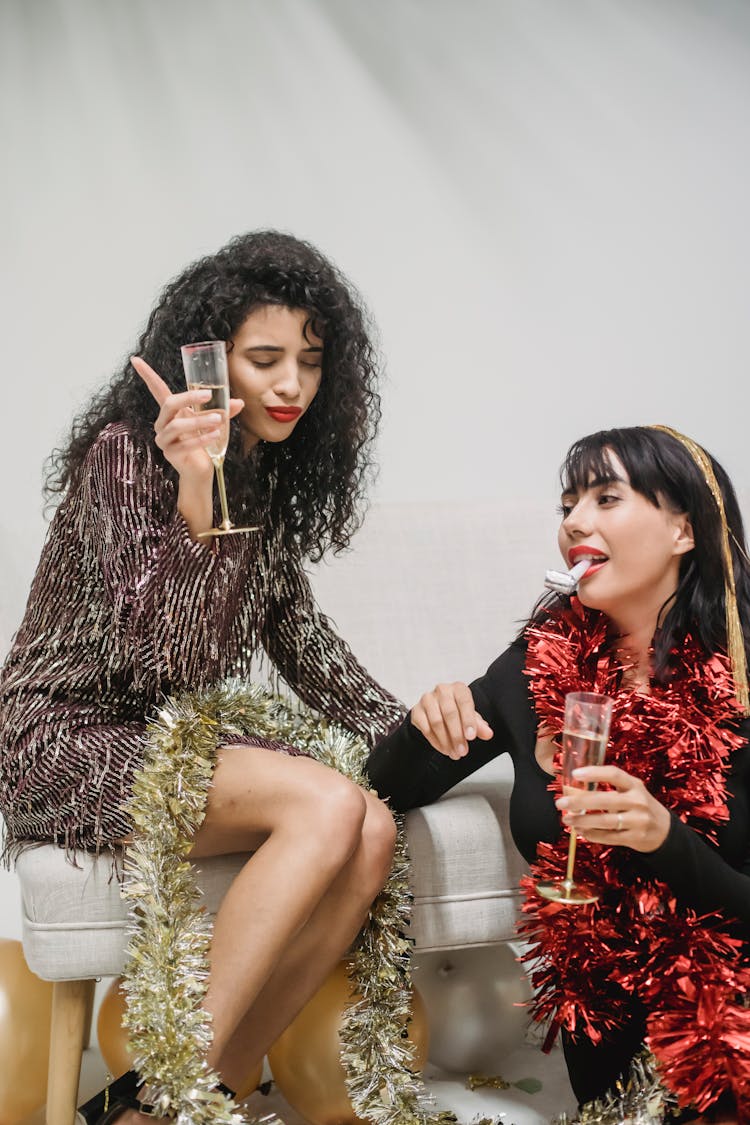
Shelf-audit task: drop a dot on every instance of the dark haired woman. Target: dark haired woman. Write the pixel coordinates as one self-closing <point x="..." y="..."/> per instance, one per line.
<point x="129" y="604"/>
<point x="661" y="959"/>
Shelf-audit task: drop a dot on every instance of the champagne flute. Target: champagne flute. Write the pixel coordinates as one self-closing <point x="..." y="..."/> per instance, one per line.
<point x="585" y="735"/>
<point x="206" y="369"/>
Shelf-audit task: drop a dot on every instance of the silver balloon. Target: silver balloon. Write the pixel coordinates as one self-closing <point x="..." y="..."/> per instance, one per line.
<point x="472" y="998"/>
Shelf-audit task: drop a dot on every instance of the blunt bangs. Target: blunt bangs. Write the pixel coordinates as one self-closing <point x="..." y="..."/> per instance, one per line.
<point x="657" y="466"/>
<point x="660" y="468"/>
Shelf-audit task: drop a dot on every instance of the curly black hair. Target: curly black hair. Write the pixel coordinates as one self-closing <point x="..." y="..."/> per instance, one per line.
<point x="313" y="483"/>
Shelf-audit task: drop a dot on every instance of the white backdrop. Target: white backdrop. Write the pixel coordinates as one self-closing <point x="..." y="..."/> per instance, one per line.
<point x="544" y="204"/>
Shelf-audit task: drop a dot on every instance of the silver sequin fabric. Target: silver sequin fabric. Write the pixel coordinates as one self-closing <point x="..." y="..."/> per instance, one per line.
<point x="125" y="609"/>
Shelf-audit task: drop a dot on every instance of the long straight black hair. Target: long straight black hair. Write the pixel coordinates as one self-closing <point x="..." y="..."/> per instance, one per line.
<point x="660" y="468"/>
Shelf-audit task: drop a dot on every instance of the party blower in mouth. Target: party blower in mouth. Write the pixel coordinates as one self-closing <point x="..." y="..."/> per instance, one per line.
<point x="566" y="581"/>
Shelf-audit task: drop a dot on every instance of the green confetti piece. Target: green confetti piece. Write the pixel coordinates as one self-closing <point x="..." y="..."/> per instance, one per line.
<point x="528" y="1085"/>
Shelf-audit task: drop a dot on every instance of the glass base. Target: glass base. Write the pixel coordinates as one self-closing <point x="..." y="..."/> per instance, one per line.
<point x="225" y="531"/>
<point x="567" y="892"/>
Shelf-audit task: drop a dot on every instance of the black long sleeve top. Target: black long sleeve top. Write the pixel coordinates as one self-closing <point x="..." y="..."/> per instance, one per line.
<point x="405" y="769"/>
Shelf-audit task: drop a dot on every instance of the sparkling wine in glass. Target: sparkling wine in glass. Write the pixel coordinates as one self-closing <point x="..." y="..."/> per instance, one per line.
<point x="585" y="736"/>
<point x="206" y="369"/>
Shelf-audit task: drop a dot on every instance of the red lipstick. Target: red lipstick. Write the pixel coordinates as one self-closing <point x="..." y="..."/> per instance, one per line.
<point x="284" y="413"/>
<point x="598" y="558"/>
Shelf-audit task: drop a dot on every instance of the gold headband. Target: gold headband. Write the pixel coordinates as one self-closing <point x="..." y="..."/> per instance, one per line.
<point x="735" y="636"/>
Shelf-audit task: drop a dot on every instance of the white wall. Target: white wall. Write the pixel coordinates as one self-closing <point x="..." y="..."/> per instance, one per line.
<point x="544" y="204"/>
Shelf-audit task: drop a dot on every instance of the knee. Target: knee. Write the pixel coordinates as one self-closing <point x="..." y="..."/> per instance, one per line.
<point x="378" y="843"/>
<point x="337" y="814"/>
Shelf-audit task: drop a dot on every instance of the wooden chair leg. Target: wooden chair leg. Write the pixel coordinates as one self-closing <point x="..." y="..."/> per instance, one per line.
<point x="70" y="1004"/>
<point x="91" y="992"/>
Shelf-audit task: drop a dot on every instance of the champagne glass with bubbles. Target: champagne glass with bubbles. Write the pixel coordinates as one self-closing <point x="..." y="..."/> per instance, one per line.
<point x="206" y="369"/>
<point x="585" y="736"/>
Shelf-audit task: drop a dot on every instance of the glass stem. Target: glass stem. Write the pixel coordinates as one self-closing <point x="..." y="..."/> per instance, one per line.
<point x="226" y="523"/>
<point x="571" y="856"/>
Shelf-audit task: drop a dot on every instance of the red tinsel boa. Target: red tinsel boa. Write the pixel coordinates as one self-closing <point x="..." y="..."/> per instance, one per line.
<point x="589" y="962"/>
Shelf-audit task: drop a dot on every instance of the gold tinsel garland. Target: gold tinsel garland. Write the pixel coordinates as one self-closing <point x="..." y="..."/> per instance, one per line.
<point x="169" y="937"/>
<point x="170" y="934"/>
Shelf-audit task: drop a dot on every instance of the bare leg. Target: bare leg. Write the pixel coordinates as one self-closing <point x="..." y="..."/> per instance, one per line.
<point x="304" y="823"/>
<point x="318" y="947"/>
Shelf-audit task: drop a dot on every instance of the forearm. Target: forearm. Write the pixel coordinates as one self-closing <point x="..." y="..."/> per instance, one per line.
<point x="187" y="599"/>
<point x="399" y="769"/>
<point x="316" y="662"/>
<point x="195" y="505"/>
<point x="699" y="876"/>
<point x="406" y="770"/>
<point x="321" y="669"/>
<point x="172" y="599"/>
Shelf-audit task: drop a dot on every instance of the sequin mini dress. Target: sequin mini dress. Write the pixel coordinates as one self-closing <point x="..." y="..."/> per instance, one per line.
<point x="125" y="609"/>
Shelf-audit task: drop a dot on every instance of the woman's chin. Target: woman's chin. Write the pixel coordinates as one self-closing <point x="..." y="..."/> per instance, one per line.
<point x="592" y="600"/>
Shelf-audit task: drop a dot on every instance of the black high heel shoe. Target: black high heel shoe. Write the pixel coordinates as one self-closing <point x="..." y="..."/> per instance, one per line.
<point x="106" y="1106"/>
<point x="113" y="1100"/>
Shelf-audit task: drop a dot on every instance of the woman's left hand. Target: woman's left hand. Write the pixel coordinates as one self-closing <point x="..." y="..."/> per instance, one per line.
<point x="626" y="814"/>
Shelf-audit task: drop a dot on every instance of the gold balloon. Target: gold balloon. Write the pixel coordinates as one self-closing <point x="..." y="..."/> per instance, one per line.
<point x="25" y="1011"/>
<point x="112" y="1036"/>
<point x="305" y="1059"/>
<point x="113" y="1040"/>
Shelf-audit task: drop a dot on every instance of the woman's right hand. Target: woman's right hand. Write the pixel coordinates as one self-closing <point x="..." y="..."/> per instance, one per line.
<point x="176" y="427"/>
<point x="183" y="445"/>
<point x="448" y="719"/>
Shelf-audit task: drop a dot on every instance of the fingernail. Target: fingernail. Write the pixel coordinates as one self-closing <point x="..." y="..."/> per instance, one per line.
<point x="581" y="771"/>
<point x="471" y="733"/>
<point x="562" y="803"/>
<point x="460" y="751"/>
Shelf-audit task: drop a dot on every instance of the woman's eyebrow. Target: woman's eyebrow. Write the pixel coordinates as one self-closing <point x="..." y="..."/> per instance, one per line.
<point x="276" y="348"/>
<point x="603" y="479"/>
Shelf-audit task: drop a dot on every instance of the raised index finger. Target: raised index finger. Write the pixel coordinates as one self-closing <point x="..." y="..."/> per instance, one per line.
<point x="154" y="382"/>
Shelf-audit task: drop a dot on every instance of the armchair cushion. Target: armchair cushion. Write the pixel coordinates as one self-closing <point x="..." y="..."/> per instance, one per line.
<point x="74" y="918"/>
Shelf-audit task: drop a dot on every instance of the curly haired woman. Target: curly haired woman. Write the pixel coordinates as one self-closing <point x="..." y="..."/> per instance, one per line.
<point x="129" y="603"/>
